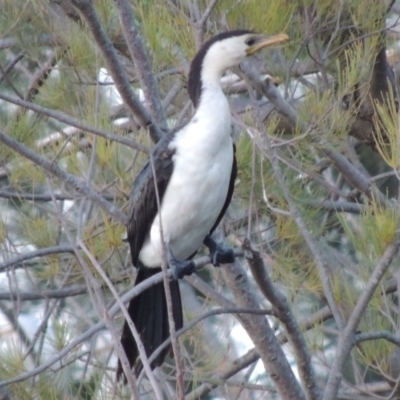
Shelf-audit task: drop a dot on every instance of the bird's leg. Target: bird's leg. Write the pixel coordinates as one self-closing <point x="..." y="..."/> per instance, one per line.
<point x="179" y="268"/>
<point x="218" y="254"/>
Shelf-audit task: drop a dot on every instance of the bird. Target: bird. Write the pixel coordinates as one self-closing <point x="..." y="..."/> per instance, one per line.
<point x="182" y="192"/>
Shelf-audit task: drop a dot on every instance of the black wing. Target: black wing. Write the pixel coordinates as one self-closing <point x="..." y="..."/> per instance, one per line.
<point x="143" y="205"/>
<point x="230" y="191"/>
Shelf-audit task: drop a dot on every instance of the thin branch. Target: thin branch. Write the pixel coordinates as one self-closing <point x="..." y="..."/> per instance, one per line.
<point x="5" y="194"/>
<point x="141" y="61"/>
<point x="61" y="293"/>
<point x="12" y="262"/>
<point x="330" y="205"/>
<point x="11" y="65"/>
<point x="67" y="178"/>
<point x="390" y="337"/>
<point x="168" y="298"/>
<point x="10" y="82"/>
<point x="67" y="119"/>
<point x="200" y="23"/>
<point x="120" y="351"/>
<point x="116" y="69"/>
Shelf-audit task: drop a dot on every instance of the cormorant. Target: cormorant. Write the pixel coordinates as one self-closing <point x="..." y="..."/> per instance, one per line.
<point x="195" y="170"/>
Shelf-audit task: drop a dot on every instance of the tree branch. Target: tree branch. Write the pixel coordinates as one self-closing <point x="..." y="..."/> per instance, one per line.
<point x="60" y="293"/>
<point x="12" y="262"/>
<point x="141" y="61"/>
<point x="67" y="119"/>
<point x="285" y="315"/>
<point x="262" y="335"/>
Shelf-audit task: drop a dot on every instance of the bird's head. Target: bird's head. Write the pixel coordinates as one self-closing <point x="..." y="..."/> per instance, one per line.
<point x="231" y="48"/>
<point x="224" y="51"/>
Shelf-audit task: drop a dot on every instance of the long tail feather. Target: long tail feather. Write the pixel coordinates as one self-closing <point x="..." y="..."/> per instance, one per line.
<point x="148" y="312"/>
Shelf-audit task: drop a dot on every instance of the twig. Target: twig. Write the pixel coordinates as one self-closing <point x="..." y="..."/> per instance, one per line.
<point x="340" y="206"/>
<point x="43" y="197"/>
<point x="11" y="65"/>
<point x="168" y="298"/>
<point x="67" y="119"/>
<point x="366" y="336"/>
<point x="61" y="293"/>
<point x="141" y="61"/>
<point x="200" y="23"/>
<point x="12" y="262"/>
<point x="135" y="333"/>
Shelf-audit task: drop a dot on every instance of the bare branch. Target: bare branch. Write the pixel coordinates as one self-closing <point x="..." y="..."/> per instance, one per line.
<point x="66" y="119"/>
<point x="14" y="262"/>
<point x="61" y="293"/>
<point x="142" y="63"/>
<point x="44" y="197"/>
<point x="11" y="65"/>
<point x="366" y="336"/>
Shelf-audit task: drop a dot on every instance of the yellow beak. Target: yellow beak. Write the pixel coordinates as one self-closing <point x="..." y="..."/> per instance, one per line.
<point x="265" y="41"/>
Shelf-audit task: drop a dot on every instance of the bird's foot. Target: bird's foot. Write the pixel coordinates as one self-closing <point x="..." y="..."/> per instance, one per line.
<point x="179" y="268"/>
<point x="218" y="254"/>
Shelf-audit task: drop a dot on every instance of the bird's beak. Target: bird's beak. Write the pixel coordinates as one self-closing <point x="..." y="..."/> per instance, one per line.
<point x="265" y="41"/>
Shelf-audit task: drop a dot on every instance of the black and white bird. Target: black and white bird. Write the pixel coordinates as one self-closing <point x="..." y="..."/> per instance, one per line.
<point x="194" y="168"/>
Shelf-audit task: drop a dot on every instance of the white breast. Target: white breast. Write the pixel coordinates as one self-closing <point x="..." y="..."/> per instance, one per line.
<point x="199" y="183"/>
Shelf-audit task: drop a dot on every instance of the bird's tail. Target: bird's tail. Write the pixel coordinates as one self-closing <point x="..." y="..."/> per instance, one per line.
<point x="148" y="312"/>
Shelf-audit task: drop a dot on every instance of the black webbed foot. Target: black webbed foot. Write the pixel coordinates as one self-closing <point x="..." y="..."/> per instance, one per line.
<point x="219" y="255"/>
<point x="179" y="268"/>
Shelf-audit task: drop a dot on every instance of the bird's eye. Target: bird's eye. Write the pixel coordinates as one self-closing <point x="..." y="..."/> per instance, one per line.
<point x="250" y="41"/>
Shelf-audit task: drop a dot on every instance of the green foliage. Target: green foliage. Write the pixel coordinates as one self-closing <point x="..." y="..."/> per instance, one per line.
<point x="21" y="127"/>
<point x="14" y="17"/>
<point x="375" y="230"/>
<point x="165" y="39"/>
<point x="12" y="360"/>
<point x="268" y="17"/>
<point x="62" y="333"/>
<point x="27" y="176"/>
<point x="386" y="133"/>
